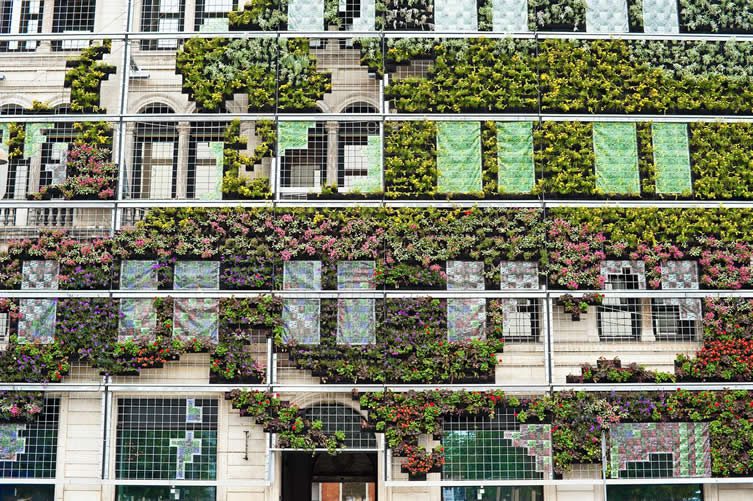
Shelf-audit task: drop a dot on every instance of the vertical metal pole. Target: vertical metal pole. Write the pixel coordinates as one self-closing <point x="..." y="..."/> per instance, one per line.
<point x="124" y="83"/>
<point x="604" y="463"/>
<point x="106" y="424"/>
<point x="548" y="341"/>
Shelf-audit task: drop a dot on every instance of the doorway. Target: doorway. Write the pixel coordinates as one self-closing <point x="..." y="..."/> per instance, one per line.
<point x="348" y="476"/>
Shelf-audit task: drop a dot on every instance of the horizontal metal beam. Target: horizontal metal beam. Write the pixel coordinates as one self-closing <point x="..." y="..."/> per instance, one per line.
<point x="283" y="389"/>
<point x="365" y="117"/>
<point x="323" y="34"/>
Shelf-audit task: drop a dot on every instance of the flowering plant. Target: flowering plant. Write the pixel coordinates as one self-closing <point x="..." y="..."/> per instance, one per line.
<point x="20" y="406"/>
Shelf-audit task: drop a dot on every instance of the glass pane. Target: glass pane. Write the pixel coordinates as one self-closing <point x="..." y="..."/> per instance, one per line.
<point x="653" y="492"/>
<point x="165" y="493"/>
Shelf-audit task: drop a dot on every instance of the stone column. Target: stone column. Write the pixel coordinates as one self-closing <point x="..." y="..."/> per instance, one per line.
<point x="332" y="156"/>
<point x="184" y="136"/>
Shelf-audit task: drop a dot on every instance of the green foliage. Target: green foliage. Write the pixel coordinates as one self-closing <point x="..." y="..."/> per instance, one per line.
<point x="410" y="159"/>
<point x="495" y="75"/>
<point x="490" y="167"/>
<point x="722" y="160"/>
<point x="557" y="15"/>
<point x="215" y="69"/>
<point x="603" y="76"/>
<point x="260" y="15"/>
<point x="565" y="150"/>
<point x="716" y="16"/>
<point x="85" y="75"/>
<point x="233" y="183"/>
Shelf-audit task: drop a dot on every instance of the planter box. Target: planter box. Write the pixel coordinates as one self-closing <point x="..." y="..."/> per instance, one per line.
<point x="218" y="379"/>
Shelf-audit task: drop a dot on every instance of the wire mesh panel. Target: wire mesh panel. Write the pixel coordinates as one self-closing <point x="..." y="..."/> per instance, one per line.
<point x="520" y="319"/>
<point x="167" y="439"/>
<point x="194" y="493"/>
<point x="162" y="16"/>
<point x="338" y="417"/>
<point x="212" y="15"/>
<point x="529" y="493"/>
<point x="20" y="17"/>
<point x="29" y="450"/>
<point x="659" y="450"/>
<point x="74" y="17"/>
<point x="496" y="448"/>
<point x="338" y="75"/>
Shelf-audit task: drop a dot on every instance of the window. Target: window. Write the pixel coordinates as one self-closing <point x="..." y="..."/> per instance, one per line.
<point x="619" y="318"/>
<point x="521" y="319"/>
<point x="167" y="439"/>
<point x="499" y="448"/>
<point x="359" y="153"/>
<point x="31" y="492"/>
<point x="29" y="450"/>
<point x="163" y="492"/>
<point x="73" y="16"/>
<point x="531" y="493"/>
<point x="211" y="15"/>
<point x="206" y="156"/>
<point x="336" y="417"/>
<point x="303" y="151"/>
<point x="162" y="16"/>
<point x="155" y="163"/>
<point x="671" y="323"/>
<point x="20" y="17"/>
<point x="677" y="492"/>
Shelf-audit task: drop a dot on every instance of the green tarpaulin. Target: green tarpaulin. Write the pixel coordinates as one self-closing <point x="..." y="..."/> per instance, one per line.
<point x="35" y="138"/>
<point x="515" y="157"/>
<point x="4" y="136"/>
<point x="459" y="157"/>
<point x="294" y="135"/>
<point x="671" y="158"/>
<point x="616" y="158"/>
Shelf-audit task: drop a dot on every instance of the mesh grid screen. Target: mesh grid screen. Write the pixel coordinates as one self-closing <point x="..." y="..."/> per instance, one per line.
<point x="164" y="439"/>
<point x="29" y="450"/>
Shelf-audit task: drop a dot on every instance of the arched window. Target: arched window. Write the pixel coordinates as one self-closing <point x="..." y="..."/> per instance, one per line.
<point x="337" y="417"/>
<point x="154" y="169"/>
<point x="358" y="148"/>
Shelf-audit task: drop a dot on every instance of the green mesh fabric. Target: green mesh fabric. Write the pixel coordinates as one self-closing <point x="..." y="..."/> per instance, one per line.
<point x="459" y="157"/>
<point x="373" y="181"/>
<point x="515" y="157"/>
<point x="671" y="158"/>
<point x="35" y="138"/>
<point x="616" y="158"/>
<point x="4" y="136"/>
<point x="218" y="153"/>
<point x="294" y="135"/>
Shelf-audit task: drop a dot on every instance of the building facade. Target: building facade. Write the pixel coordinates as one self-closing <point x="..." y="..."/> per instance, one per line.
<point x="307" y="250"/>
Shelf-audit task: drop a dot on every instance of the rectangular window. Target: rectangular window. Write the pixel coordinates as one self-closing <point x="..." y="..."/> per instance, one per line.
<point x="29" y="450"/>
<point x="530" y="493"/>
<point x="33" y="492"/>
<point x="162" y="16"/>
<point x="159" y="492"/>
<point x="521" y="319"/>
<point x="675" y="320"/>
<point x="499" y="448"/>
<point x="167" y="439"/>
<point x="692" y="492"/>
<point x="619" y="318"/>
<point x="156" y="165"/>
<point x="20" y="17"/>
<point x="211" y="15"/>
<point x="73" y="16"/>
